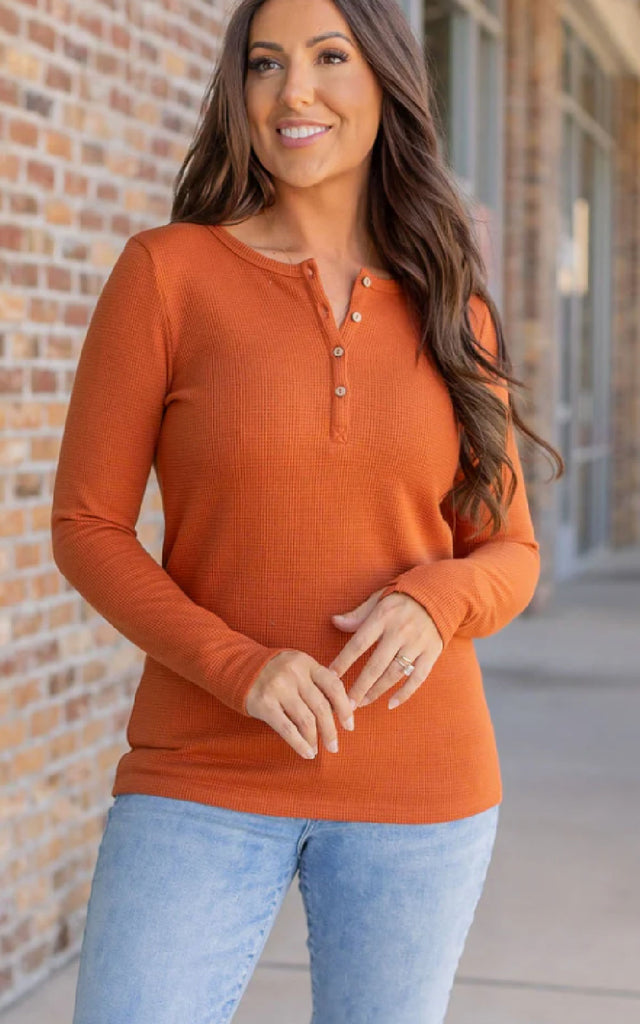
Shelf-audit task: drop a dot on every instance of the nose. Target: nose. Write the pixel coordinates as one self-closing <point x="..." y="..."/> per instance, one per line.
<point x="298" y="85"/>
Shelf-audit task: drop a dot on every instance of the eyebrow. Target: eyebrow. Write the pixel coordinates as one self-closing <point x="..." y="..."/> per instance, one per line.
<point x="310" y="42"/>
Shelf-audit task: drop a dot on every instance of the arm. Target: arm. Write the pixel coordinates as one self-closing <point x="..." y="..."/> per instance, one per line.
<point x="488" y="582"/>
<point x="107" y="450"/>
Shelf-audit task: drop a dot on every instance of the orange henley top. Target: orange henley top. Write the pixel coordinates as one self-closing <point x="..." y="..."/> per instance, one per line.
<point x="302" y="466"/>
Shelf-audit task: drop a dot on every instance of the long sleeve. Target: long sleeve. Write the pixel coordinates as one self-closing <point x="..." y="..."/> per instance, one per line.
<point x="488" y="581"/>
<point x="112" y="426"/>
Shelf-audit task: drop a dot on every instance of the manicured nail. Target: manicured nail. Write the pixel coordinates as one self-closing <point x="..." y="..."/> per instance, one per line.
<point x="349" y="723"/>
<point x="333" y="746"/>
<point x="393" y="703"/>
<point x="309" y="752"/>
<point x="353" y="703"/>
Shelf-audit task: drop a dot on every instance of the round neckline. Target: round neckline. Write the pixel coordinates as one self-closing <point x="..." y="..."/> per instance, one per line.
<point x="246" y="252"/>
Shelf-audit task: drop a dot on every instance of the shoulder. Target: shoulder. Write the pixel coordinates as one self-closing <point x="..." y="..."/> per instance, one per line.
<point x="478" y="313"/>
<point x="179" y="256"/>
<point x="482" y="324"/>
<point x="484" y="329"/>
<point x="175" y="239"/>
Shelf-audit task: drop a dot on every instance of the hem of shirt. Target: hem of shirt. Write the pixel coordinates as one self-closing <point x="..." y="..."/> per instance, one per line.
<point x="288" y="806"/>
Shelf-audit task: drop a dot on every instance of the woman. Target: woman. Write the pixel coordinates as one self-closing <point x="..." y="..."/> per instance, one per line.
<point x="308" y="357"/>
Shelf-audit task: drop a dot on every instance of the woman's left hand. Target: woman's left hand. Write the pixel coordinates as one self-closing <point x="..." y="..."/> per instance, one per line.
<point x="402" y="626"/>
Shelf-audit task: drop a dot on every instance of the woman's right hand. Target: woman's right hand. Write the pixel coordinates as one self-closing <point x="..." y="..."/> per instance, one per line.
<point x="296" y="695"/>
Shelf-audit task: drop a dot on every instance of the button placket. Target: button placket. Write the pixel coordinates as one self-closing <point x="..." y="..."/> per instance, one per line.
<point x="341" y="392"/>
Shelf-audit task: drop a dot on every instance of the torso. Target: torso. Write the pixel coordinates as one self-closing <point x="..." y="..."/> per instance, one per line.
<point x="337" y="281"/>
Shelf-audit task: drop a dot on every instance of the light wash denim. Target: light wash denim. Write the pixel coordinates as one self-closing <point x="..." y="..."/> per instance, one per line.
<point x="185" y="894"/>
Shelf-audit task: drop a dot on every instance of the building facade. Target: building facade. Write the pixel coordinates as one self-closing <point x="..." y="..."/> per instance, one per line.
<point x="538" y="105"/>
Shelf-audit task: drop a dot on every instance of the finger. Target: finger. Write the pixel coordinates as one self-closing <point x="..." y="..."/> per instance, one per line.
<point x="392" y="674"/>
<point x="287" y="723"/>
<point x="325" y="722"/>
<point x="366" y="634"/>
<point x="296" y="705"/>
<point x="333" y="689"/>
<point x="423" y="664"/>
<point x="376" y="668"/>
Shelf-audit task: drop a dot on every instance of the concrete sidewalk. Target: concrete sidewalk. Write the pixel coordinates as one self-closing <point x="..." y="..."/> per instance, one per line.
<point x="556" y="936"/>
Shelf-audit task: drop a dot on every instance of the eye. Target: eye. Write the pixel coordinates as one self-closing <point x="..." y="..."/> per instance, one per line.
<point x="342" y="57"/>
<point x="258" y="65"/>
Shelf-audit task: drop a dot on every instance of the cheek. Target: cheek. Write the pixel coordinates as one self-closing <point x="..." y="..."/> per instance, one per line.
<point x="359" y="103"/>
<point x="257" y="108"/>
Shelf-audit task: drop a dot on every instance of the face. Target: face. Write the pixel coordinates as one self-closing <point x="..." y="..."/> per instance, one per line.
<point x="326" y="81"/>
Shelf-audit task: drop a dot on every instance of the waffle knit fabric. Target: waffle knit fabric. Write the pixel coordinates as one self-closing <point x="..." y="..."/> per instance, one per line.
<point x="302" y="465"/>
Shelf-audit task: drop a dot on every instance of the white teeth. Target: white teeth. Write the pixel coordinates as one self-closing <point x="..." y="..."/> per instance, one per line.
<point x="301" y="133"/>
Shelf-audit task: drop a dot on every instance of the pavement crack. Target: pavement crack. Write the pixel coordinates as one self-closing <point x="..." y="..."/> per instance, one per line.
<point x="547" y="986"/>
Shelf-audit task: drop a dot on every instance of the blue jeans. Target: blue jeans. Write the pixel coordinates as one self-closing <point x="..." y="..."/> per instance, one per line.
<point x="184" y="895"/>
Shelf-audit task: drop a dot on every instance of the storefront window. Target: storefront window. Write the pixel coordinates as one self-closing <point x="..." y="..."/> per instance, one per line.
<point x="588" y="79"/>
<point x="438" y="55"/>
<point x="463" y="50"/>
<point x="567" y="53"/>
<point x="463" y="54"/>
<point x="487" y="171"/>
<point x="584" y="273"/>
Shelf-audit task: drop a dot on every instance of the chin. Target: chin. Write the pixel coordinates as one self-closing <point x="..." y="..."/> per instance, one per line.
<point x="301" y="180"/>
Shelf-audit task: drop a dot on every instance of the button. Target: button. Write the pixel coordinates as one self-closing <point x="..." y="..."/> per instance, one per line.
<point x="341" y="391"/>
<point x="366" y="282"/>
<point x="357" y="317"/>
<point x="338" y="350"/>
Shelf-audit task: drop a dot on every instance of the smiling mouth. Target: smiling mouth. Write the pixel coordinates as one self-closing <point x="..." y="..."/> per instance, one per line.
<point x="313" y="129"/>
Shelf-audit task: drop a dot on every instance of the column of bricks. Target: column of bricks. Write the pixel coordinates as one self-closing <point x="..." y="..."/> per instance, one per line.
<point x="625" y="370"/>
<point x="532" y="167"/>
<point x="97" y="105"/>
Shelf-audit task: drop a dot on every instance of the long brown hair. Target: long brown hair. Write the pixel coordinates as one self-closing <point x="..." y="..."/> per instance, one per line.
<point x="420" y="223"/>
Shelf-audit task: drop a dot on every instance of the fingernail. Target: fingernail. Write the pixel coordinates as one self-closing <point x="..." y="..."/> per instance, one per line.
<point x="349" y="723"/>
<point x="310" y="753"/>
<point x="393" y="703"/>
<point x="333" y="746"/>
<point x="352" y="703"/>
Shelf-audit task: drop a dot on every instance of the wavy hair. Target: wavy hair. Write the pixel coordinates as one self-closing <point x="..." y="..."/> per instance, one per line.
<point x="419" y="221"/>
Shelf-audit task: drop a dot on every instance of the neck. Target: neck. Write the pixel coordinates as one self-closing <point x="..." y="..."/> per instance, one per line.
<point x="334" y="230"/>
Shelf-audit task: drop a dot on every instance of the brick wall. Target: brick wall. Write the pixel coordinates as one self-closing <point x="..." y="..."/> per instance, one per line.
<point x="98" y="101"/>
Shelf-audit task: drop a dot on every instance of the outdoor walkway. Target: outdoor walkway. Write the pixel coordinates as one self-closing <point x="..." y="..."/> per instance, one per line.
<point x="556" y="937"/>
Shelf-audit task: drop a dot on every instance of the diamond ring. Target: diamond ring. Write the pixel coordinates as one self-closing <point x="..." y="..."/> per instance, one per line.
<point x="407" y="666"/>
